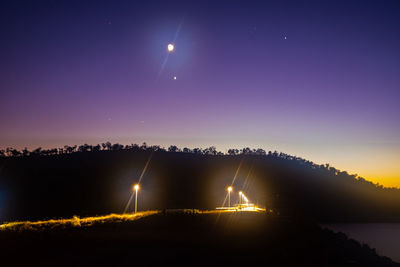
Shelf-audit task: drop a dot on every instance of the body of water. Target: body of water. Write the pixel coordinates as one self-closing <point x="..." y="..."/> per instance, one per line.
<point x="384" y="237"/>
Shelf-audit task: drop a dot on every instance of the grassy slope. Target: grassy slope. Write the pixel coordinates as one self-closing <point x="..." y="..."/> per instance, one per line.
<point x="73" y="222"/>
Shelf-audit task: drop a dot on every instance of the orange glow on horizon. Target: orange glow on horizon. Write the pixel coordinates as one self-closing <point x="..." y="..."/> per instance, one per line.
<point x="386" y="181"/>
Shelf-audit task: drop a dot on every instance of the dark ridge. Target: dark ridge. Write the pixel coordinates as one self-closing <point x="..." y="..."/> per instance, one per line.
<point x="90" y="180"/>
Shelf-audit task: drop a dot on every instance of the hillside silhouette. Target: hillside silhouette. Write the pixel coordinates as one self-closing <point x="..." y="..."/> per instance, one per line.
<point x="187" y="239"/>
<point x="90" y="180"/>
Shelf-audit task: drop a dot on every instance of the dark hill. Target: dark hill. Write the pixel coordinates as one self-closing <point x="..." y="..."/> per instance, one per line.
<point x="228" y="239"/>
<point x="100" y="182"/>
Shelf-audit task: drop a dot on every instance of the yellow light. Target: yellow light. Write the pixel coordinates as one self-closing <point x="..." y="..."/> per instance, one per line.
<point x="170" y="47"/>
<point x="73" y="222"/>
<point x="230" y="188"/>
<point x="240" y="193"/>
<point x="136" y="187"/>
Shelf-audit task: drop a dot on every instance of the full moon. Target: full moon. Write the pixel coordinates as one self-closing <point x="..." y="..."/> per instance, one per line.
<point x="170" y="47"/>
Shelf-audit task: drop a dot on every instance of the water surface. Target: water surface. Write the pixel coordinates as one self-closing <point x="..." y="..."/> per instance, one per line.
<point x="384" y="237"/>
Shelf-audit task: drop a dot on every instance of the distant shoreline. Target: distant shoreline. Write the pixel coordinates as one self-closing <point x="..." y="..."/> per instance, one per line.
<point x="384" y="237"/>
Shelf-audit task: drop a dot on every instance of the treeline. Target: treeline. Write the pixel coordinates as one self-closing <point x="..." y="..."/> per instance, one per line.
<point x="325" y="169"/>
<point x="12" y="152"/>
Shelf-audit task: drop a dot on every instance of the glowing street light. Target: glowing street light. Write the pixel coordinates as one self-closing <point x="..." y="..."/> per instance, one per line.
<point x="240" y="198"/>
<point x="229" y="195"/>
<point x="136" y="187"/>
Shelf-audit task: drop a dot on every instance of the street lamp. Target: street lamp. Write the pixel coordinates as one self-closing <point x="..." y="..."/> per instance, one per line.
<point x="245" y="199"/>
<point x="229" y="195"/>
<point x="136" y="187"/>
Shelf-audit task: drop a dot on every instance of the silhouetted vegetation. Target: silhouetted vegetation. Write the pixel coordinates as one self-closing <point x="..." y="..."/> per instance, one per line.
<point x="88" y="180"/>
<point x="11" y="152"/>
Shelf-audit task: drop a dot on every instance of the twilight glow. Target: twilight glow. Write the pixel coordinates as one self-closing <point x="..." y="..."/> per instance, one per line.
<point x="318" y="80"/>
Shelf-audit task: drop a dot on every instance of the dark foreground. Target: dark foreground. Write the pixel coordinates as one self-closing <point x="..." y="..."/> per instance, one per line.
<point x="234" y="239"/>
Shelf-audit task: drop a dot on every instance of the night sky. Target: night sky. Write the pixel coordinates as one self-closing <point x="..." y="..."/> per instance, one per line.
<point x="318" y="79"/>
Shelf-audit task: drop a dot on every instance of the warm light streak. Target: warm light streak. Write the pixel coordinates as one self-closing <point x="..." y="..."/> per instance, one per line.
<point x="145" y="167"/>
<point x="229" y="195"/>
<point x="243" y="207"/>
<point x="74" y="222"/>
<point x="136" y="193"/>
<point x="237" y="171"/>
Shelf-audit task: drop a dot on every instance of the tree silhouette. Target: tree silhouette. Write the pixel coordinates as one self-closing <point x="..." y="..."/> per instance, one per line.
<point x="107" y="146"/>
<point x="246" y="151"/>
<point x="96" y="148"/>
<point x="260" y="152"/>
<point x="197" y="151"/>
<point x="173" y="149"/>
<point x="37" y="151"/>
<point x="84" y="148"/>
<point x="232" y="152"/>
<point x="25" y="152"/>
<point x="156" y="148"/>
<point x="186" y="150"/>
<point x="210" y="151"/>
<point x="143" y="146"/>
<point x="116" y="147"/>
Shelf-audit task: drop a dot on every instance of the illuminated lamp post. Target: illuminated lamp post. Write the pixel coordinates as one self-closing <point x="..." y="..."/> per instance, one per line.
<point x="245" y="199"/>
<point x="136" y="187"/>
<point x="229" y="196"/>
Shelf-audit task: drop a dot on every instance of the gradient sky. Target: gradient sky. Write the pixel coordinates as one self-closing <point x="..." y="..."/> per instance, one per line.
<point x="316" y="79"/>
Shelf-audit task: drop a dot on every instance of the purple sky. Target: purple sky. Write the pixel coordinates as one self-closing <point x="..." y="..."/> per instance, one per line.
<point x="314" y="79"/>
